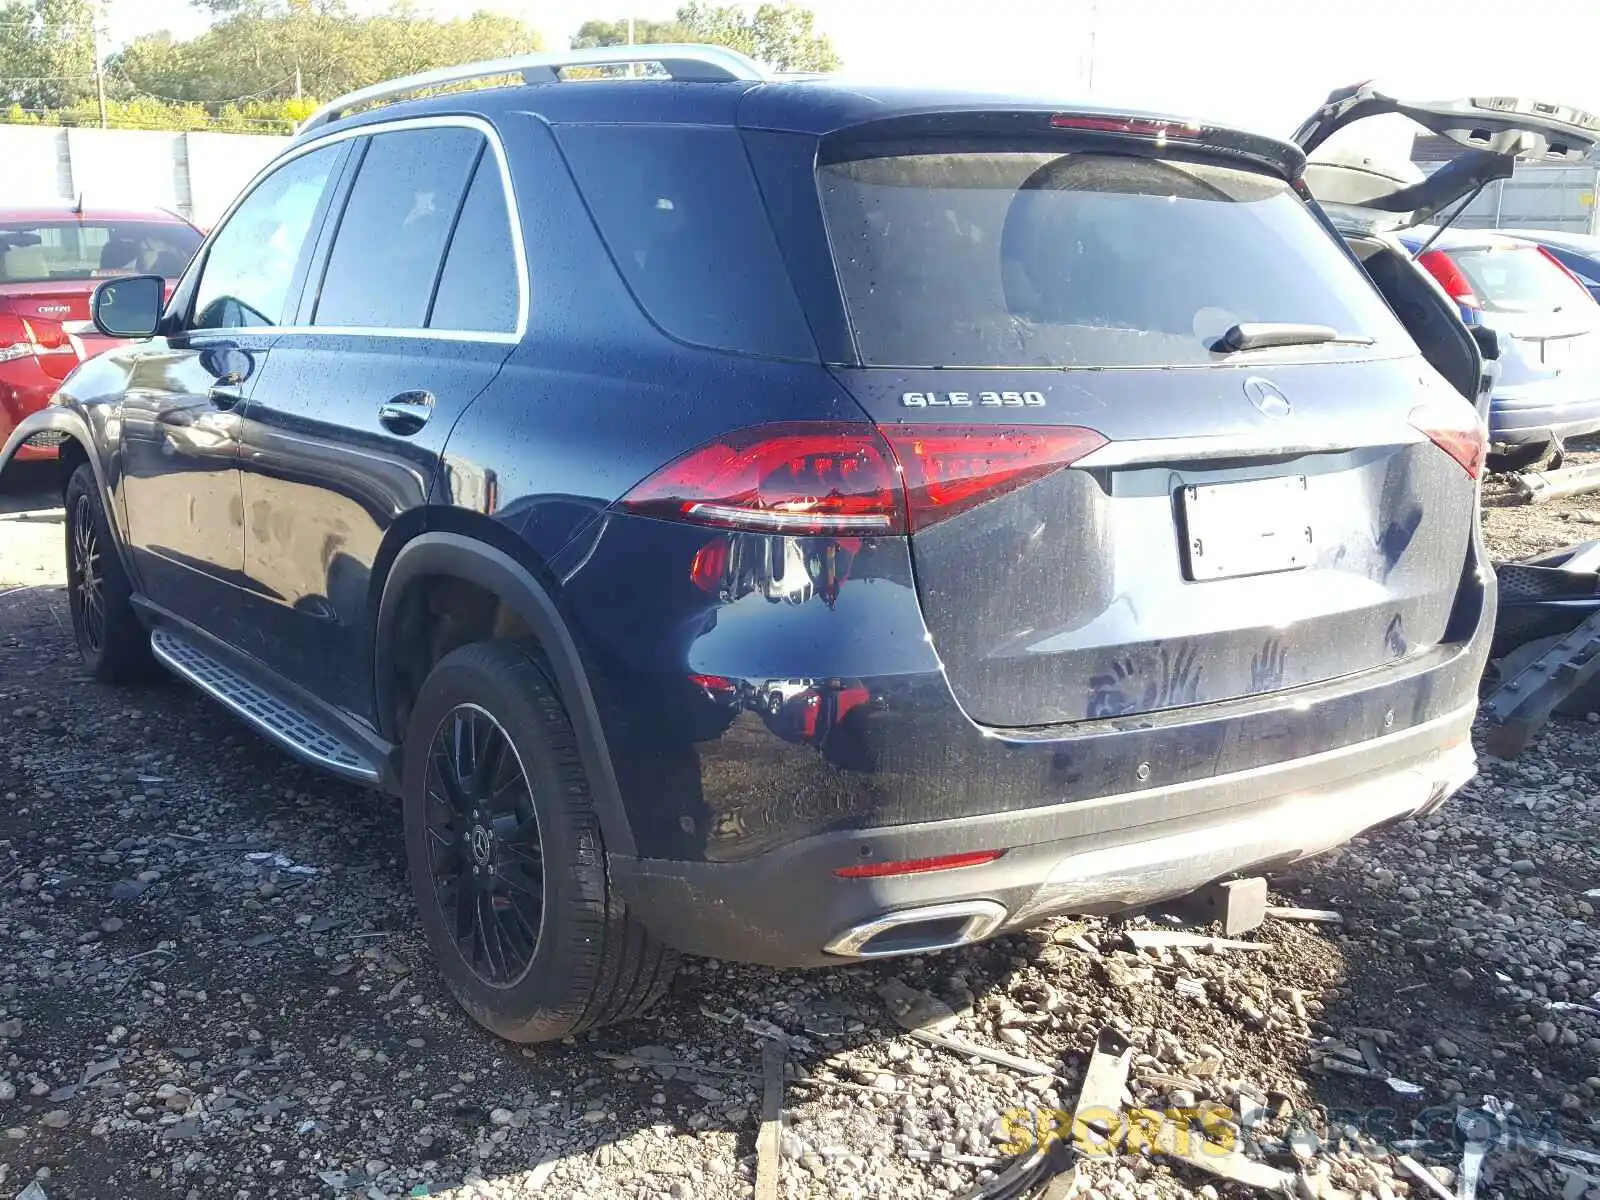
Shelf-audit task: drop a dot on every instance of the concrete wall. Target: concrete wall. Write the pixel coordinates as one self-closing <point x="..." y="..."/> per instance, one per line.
<point x="197" y="174"/>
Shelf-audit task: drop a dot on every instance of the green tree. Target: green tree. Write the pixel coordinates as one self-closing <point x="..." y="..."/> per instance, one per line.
<point x="615" y="33"/>
<point x="46" y="52"/>
<point x="783" y="36"/>
<point x="264" y="48"/>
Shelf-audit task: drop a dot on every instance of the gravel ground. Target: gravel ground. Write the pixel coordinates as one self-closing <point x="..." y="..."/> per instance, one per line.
<point x="212" y="985"/>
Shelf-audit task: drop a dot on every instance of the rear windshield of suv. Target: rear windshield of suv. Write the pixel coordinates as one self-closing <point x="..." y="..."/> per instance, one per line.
<point x="998" y="257"/>
<point x="45" y="251"/>
<point x="1521" y="280"/>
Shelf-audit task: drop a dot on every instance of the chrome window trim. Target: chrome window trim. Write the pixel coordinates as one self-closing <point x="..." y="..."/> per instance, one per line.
<point x="513" y="214"/>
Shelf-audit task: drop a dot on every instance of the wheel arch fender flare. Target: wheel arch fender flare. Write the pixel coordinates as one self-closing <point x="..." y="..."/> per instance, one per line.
<point x="486" y="566"/>
<point x="60" y="418"/>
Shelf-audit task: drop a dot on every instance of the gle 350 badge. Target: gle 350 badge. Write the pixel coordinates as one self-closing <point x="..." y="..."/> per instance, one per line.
<point x="972" y="399"/>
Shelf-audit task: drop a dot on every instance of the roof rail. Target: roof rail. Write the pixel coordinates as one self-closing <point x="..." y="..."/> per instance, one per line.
<point x="685" y="63"/>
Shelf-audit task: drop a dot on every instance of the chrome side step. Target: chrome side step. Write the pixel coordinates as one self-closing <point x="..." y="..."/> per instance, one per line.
<point x="297" y="732"/>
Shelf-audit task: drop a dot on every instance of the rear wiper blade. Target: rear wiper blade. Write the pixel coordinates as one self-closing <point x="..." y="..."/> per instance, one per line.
<point x="1257" y="335"/>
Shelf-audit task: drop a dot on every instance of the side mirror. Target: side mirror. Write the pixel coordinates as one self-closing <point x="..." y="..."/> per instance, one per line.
<point x="129" y="306"/>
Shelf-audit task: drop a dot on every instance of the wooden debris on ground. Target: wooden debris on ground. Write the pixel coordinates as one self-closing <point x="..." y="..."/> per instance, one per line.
<point x="1324" y="916"/>
<point x="773" y="1055"/>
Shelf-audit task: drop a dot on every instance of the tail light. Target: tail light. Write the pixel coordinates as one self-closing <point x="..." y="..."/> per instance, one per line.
<point x="1151" y="127"/>
<point x="1457" y="430"/>
<point x="1454" y="281"/>
<point x="827" y="477"/>
<point x="951" y="468"/>
<point x="797" y="478"/>
<point x="21" y="338"/>
<point x="1564" y="269"/>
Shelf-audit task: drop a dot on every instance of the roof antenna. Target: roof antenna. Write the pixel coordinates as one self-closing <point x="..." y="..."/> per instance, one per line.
<point x="77" y="208"/>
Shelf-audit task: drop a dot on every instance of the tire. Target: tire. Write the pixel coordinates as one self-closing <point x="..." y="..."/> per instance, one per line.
<point x="588" y="963"/>
<point x="113" y="642"/>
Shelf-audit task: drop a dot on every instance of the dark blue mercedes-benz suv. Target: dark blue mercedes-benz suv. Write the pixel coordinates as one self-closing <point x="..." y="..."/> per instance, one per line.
<point x="789" y="521"/>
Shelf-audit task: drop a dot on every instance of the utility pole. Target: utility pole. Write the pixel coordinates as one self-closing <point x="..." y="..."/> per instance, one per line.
<point x="99" y="71"/>
<point x="1094" y="32"/>
<point x="298" y="92"/>
<point x="633" y="68"/>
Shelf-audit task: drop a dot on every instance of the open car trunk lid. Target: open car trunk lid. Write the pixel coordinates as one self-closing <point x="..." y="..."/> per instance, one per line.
<point x="1111" y="514"/>
<point x="1494" y="132"/>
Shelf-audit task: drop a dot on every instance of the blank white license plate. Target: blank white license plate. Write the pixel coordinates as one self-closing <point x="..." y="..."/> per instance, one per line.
<point x="1254" y="527"/>
<point x="1557" y="352"/>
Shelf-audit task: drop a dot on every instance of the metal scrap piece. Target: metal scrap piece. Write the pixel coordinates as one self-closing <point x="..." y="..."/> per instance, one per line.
<point x="1522" y="705"/>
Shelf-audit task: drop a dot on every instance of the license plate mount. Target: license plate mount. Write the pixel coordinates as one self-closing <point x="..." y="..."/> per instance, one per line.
<point x="1249" y="527"/>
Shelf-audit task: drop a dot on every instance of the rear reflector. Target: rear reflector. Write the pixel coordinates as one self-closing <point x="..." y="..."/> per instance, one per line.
<point x="841" y="478"/>
<point x="919" y="866"/>
<point x="1454" y="281"/>
<point x="1456" y="429"/>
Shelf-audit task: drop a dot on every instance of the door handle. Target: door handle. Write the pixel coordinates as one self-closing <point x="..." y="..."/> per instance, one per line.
<point x="406" y="413"/>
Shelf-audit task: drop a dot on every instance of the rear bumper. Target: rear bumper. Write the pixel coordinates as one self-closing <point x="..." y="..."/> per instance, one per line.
<point x="787" y="907"/>
<point x="1532" y="414"/>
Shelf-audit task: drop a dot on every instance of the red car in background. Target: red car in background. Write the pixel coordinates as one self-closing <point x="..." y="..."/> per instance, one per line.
<point x="50" y="261"/>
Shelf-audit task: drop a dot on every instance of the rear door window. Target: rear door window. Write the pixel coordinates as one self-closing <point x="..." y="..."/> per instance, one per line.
<point x="391" y="239"/>
<point x="969" y="256"/>
<point x="1520" y="280"/>
<point x="679" y="210"/>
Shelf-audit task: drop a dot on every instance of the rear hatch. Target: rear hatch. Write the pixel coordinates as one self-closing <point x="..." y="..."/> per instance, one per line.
<point x="1163" y="442"/>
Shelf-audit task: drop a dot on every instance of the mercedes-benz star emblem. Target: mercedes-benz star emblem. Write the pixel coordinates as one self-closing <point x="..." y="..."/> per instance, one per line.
<point x="1267" y="397"/>
<point x="479" y="840"/>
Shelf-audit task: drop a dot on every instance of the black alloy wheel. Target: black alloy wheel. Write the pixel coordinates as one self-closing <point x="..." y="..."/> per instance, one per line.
<point x="486" y="856"/>
<point x="85" y="577"/>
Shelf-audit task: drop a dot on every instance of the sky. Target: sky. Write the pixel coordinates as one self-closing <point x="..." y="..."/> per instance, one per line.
<point x="1260" y="64"/>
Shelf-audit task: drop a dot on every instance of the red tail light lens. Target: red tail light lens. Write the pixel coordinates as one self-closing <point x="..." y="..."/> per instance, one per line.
<point x="798" y="478"/>
<point x="1455" y="429"/>
<point x="1454" y="281"/>
<point x="951" y="468"/>
<point x="821" y="478"/>
<point x="1133" y="126"/>
<point x="22" y="338"/>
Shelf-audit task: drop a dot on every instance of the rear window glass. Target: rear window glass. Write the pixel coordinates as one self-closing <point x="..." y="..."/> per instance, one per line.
<point x="1520" y="280"/>
<point x="1024" y="258"/>
<point x="38" y="252"/>
<point x="679" y="211"/>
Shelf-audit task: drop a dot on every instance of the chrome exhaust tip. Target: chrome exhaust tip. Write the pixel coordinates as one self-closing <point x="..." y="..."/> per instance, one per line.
<point x="920" y="930"/>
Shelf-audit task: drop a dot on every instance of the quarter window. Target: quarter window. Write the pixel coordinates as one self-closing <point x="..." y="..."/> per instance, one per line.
<point x="255" y="258"/>
<point x="387" y="254"/>
<point x="478" y="291"/>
